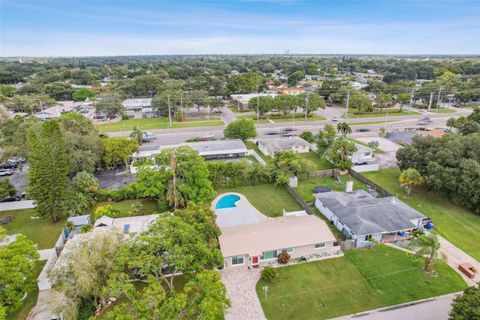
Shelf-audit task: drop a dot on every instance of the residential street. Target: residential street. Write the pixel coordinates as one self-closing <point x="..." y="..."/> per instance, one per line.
<point x="429" y="309"/>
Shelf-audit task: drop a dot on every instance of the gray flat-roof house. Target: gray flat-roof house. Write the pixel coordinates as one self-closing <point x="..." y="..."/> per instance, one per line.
<point x="218" y="149"/>
<point x="363" y="217"/>
<point x="270" y="147"/>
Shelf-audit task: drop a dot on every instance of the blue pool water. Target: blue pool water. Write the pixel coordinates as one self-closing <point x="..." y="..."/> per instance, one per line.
<point x="227" y="201"/>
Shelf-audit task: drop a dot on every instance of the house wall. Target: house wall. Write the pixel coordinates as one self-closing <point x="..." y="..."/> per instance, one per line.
<point x="265" y="150"/>
<point x="366" y="167"/>
<point x="296" y="149"/>
<point x="297" y="253"/>
<point x="332" y="217"/>
<point x="361" y="156"/>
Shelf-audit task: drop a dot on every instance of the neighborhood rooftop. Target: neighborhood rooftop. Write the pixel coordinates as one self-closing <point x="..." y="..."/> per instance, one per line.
<point x="283" y="144"/>
<point x="204" y="148"/>
<point x="364" y="214"/>
<point x="282" y="232"/>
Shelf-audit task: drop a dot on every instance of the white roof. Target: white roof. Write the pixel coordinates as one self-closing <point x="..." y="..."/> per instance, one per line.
<point x="274" y="234"/>
<point x="80" y="220"/>
<point x="283" y="144"/>
<point x="139" y="102"/>
<point x="229" y="217"/>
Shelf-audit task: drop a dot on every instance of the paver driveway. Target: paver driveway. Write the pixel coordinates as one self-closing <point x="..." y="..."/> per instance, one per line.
<point x="240" y="283"/>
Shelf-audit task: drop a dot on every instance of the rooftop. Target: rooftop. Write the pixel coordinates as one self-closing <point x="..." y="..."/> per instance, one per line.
<point x="276" y="233"/>
<point x="80" y="220"/>
<point x="364" y="214"/>
<point x="137" y="102"/>
<point x="283" y="144"/>
<point x="135" y="224"/>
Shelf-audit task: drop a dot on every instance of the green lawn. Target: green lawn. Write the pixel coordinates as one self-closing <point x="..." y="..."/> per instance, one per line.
<point x="455" y="223"/>
<point x="40" y="230"/>
<point x="157" y="123"/>
<point x="269" y="199"/>
<point x="442" y="110"/>
<point x="149" y="206"/>
<point x="362" y="280"/>
<point x="299" y="117"/>
<point x="352" y="115"/>
<point x="318" y="163"/>
<point x="304" y="189"/>
<point x="31" y="299"/>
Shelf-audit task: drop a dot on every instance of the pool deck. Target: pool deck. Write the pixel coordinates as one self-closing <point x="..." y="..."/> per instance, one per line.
<point x="243" y="202"/>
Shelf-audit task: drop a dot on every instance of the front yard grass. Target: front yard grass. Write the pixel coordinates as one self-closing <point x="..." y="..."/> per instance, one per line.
<point x="269" y="199"/>
<point x="318" y="162"/>
<point x="453" y="222"/>
<point x="362" y="280"/>
<point x="40" y="230"/>
<point x="304" y="189"/>
<point x="156" y="123"/>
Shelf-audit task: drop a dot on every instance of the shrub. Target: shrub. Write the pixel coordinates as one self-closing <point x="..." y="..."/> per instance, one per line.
<point x="283" y="258"/>
<point x="107" y="210"/>
<point x="269" y="274"/>
<point x="373" y="144"/>
<point x="307" y="136"/>
<point x="125" y="116"/>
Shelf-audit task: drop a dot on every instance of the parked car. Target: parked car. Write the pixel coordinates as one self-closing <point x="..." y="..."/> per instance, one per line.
<point x="11" y="199"/>
<point x="289" y="132"/>
<point x="272" y="133"/>
<point x="363" y="130"/>
<point x="335" y="119"/>
<point x="147" y="136"/>
<point x="6" y="172"/>
<point x="207" y="137"/>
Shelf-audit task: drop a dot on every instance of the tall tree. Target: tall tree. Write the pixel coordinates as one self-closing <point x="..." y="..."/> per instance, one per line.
<point x="339" y="153"/>
<point x="467" y="305"/>
<point x="243" y="129"/>
<point x="344" y="128"/>
<point x="48" y="182"/>
<point x="325" y="138"/>
<point x="110" y="104"/>
<point x="17" y="262"/>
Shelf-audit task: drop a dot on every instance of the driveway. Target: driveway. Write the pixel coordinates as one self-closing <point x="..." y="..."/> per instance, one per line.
<point x="455" y="256"/>
<point x="240" y="283"/>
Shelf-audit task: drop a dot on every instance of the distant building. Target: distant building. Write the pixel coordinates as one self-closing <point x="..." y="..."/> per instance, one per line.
<point x="241" y="100"/>
<point x="311" y="77"/>
<point x="272" y="146"/>
<point x="138" y="105"/>
<point x="292" y="91"/>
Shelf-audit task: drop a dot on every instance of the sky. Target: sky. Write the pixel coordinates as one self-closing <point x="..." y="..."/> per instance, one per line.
<point x="142" y="27"/>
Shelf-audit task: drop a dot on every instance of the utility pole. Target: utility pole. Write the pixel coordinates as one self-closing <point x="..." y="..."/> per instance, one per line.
<point x="258" y="103"/>
<point x="430" y="102"/>
<point x="411" y="98"/>
<point x="438" y="97"/>
<point x="169" y="112"/>
<point x="346" y="105"/>
<point x="306" y="107"/>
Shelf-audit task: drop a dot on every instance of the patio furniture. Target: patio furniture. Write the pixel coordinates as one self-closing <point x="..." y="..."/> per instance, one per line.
<point x="468" y="269"/>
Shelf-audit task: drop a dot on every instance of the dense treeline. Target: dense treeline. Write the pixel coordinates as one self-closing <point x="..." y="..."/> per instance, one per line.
<point x="450" y="164"/>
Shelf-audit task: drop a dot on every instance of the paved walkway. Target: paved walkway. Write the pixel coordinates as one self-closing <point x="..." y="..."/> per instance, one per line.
<point x="455" y="256"/>
<point x="428" y="309"/>
<point x="228" y="115"/>
<point x="16" y="205"/>
<point x="240" y="283"/>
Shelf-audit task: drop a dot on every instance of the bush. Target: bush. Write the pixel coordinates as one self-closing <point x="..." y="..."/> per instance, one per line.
<point x="107" y="210"/>
<point x="269" y="274"/>
<point x="283" y="258"/>
<point x="307" y="136"/>
<point x="125" y="116"/>
<point x="373" y="144"/>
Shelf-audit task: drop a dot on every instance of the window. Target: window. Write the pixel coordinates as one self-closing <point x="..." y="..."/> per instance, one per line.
<point x="319" y="245"/>
<point x="268" y="255"/>
<point x="237" y="260"/>
<point x="287" y="250"/>
<point x="367" y="238"/>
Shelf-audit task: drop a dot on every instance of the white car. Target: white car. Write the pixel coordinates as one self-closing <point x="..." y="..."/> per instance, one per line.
<point x="335" y="119"/>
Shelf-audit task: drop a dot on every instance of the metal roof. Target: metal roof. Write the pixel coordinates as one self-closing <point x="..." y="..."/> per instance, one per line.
<point x="283" y="144"/>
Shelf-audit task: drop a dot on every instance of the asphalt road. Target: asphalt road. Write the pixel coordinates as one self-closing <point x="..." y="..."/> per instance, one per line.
<point x="173" y="136"/>
<point x="429" y="309"/>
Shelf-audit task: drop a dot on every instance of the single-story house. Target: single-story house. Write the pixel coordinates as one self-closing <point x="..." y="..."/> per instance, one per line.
<point x="217" y="149"/>
<point x="361" y="216"/>
<point x="363" y="159"/>
<point x="241" y="100"/>
<point x="251" y="245"/>
<point x="271" y="147"/>
<point x="133" y="224"/>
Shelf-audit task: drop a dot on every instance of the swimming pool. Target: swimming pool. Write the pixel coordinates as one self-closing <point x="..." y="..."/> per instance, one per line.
<point x="227" y="201"/>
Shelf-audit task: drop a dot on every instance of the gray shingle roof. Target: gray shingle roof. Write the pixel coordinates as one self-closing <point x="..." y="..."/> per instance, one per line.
<point x="283" y="144"/>
<point x="364" y="214"/>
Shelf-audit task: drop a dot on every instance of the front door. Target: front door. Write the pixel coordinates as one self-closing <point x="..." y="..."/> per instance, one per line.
<point x="255" y="260"/>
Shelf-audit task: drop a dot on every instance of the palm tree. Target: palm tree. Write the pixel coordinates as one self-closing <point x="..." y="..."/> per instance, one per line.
<point x="451" y="122"/>
<point x="429" y="246"/>
<point x="137" y="135"/>
<point x="344" y="128"/>
<point x="410" y="178"/>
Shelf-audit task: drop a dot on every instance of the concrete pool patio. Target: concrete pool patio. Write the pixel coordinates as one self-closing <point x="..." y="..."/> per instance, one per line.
<point x="242" y="213"/>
